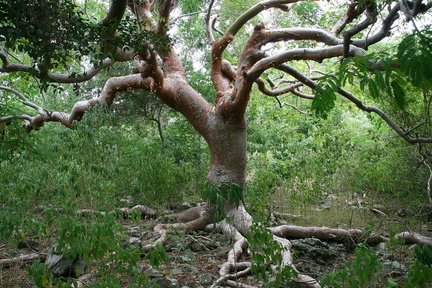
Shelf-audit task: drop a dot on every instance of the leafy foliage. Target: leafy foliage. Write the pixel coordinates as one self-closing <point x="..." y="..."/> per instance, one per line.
<point x="296" y="157"/>
<point x="415" y="58"/>
<point x="13" y="140"/>
<point x="157" y="255"/>
<point x="360" y="272"/>
<point x="265" y="252"/>
<point x="98" y="238"/>
<point x="47" y="31"/>
<point x="325" y="96"/>
<point x="55" y="32"/>
<point x="420" y="274"/>
<point x="365" y="267"/>
<point x="218" y="195"/>
<point x="386" y="82"/>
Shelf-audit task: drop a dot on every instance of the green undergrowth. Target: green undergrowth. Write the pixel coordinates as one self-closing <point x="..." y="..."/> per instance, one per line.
<point x="365" y="270"/>
<point x="294" y="167"/>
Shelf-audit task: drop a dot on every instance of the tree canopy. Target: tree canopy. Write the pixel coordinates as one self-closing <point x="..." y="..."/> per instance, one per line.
<point x="56" y="38"/>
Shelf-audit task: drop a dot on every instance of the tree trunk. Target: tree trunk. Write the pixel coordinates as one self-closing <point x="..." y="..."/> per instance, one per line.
<point x="227" y="143"/>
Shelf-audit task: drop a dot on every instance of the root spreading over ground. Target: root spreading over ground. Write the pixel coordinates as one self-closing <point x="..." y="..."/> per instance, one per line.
<point x="237" y="225"/>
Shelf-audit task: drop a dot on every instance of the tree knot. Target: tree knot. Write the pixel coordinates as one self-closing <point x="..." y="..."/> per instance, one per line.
<point x="259" y="27"/>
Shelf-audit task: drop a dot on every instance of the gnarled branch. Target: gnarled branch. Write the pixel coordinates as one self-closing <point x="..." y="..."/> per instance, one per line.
<point x="352" y="13"/>
<point x="367" y="108"/>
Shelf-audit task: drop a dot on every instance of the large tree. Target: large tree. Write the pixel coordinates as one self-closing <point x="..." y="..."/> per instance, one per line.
<point x="44" y="38"/>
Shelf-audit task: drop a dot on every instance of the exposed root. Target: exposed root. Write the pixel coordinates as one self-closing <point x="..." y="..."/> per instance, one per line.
<point x="287" y="260"/>
<point x="415" y="238"/>
<point x="20" y="260"/>
<point x="354" y="235"/>
<point x="239" y="223"/>
<point x="286" y="215"/>
<point x="124" y="212"/>
<point x="241" y="269"/>
<point x="234" y="254"/>
<point x="247" y="269"/>
<point x="83" y="279"/>
<point x="145" y="210"/>
<point x="236" y="284"/>
<point x="236" y="225"/>
<point x="326" y="233"/>
<point x="197" y="220"/>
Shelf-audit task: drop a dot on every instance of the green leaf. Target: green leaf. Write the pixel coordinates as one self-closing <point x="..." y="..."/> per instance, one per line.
<point x="415" y="57"/>
<point x="352" y="283"/>
<point x="424" y="255"/>
<point x="391" y="283"/>
<point x="399" y="94"/>
<point x="324" y="100"/>
<point x="373" y="89"/>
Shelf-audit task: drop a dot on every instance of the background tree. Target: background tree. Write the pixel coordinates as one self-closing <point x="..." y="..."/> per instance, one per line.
<point x="353" y="55"/>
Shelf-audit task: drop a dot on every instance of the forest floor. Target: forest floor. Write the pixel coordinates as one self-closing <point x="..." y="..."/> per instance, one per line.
<point x="195" y="258"/>
<point x="194" y="261"/>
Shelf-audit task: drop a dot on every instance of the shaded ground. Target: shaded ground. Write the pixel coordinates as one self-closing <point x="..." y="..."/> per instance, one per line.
<point x="194" y="261"/>
<point x="195" y="258"/>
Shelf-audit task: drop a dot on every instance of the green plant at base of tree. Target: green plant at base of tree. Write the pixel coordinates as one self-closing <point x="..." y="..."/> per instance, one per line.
<point x="265" y="252"/>
<point x="219" y="195"/>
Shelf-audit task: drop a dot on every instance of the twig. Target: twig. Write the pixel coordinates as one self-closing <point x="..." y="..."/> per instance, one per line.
<point x="374" y="210"/>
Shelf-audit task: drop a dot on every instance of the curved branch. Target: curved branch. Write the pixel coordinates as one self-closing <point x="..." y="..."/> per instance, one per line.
<point x="297" y="109"/>
<point x="219" y="46"/>
<point x="382" y="33"/>
<point x="370" y="109"/>
<point x="315" y="54"/>
<point x="352" y="13"/>
<point x="25" y="101"/>
<point x="165" y="9"/>
<point x="7" y="119"/>
<point x="287" y="34"/>
<point x="391" y="17"/>
<point x="113" y="17"/>
<point x="371" y="17"/>
<point x="112" y="86"/>
<point x="208" y="22"/>
<point x="188" y="15"/>
<point x="213" y="25"/>
<point x="35" y="122"/>
<point x="80" y="77"/>
<point x="9" y="67"/>
<point x="12" y="67"/>
<point x="276" y="92"/>
<point x="303" y="95"/>
<point x="255" y="10"/>
<point x="109" y="26"/>
<point x="109" y="91"/>
<point x="385" y="117"/>
<point x="223" y="42"/>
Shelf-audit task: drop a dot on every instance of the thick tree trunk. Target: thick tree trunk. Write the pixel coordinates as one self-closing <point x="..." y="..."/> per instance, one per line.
<point x="227" y="143"/>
